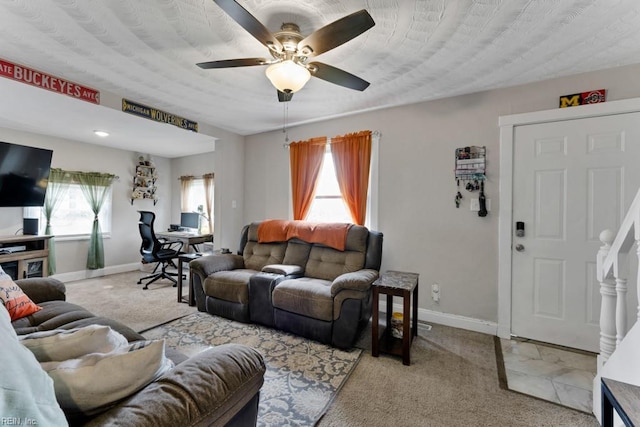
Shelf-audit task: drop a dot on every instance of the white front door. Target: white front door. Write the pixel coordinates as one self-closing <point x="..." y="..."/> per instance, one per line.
<point x="571" y="180"/>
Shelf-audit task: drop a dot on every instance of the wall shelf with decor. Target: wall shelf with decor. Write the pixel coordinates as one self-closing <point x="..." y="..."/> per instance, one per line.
<point x="144" y="182"/>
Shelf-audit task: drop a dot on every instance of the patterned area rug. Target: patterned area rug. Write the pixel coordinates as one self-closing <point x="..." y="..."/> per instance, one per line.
<point x="302" y="376"/>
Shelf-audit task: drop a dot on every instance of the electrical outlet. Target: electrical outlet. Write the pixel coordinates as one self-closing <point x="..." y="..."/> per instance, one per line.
<point x="435" y="293"/>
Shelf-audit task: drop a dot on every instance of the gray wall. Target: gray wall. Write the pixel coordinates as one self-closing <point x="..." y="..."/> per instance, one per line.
<point x="423" y="231"/>
<point x="227" y="162"/>
<point x="124" y="244"/>
<point x="122" y="248"/>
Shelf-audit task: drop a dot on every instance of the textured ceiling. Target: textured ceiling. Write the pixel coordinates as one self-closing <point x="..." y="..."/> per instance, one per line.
<point x="146" y="51"/>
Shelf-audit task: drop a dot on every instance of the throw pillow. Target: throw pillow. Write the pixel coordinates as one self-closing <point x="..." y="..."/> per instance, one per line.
<point x="93" y="382"/>
<point x="61" y="344"/>
<point x="17" y="303"/>
<point x="26" y="391"/>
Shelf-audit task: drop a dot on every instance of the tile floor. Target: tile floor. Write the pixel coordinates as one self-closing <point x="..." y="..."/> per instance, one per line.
<point x="550" y="373"/>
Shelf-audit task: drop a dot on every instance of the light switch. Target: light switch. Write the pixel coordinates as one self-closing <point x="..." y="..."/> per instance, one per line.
<point x="474" y="205"/>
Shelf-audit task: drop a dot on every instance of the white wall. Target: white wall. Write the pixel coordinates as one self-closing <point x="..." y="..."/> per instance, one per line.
<point x="423" y="231"/>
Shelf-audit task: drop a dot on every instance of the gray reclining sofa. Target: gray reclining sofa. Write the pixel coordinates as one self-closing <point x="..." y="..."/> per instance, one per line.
<point x="308" y="289"/>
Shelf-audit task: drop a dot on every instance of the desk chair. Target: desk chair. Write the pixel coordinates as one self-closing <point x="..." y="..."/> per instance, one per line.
<point x="153" y="250"/>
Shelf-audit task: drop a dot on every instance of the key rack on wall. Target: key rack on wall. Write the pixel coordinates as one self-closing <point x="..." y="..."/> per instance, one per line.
<point x="470" y="173"/>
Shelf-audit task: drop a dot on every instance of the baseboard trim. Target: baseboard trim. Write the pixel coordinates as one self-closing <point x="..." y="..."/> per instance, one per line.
<point x="453" y="320"/>
<point x="424" y="315"/>
<point x="89" y="274"/>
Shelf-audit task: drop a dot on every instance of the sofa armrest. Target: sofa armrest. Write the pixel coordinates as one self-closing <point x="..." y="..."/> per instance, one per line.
<point x="208" y="389"/>
<point x="360" y="280"/>
<point x="41" y="289"/>
<point x="210" y="264"/>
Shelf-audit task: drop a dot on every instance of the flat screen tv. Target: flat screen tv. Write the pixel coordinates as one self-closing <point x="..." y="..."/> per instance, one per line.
<point x="24" y="174"/>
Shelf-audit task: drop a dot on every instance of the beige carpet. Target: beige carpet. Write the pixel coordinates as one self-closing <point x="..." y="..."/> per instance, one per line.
<point x="119" y="297"/>
<point x="453" y="380"/>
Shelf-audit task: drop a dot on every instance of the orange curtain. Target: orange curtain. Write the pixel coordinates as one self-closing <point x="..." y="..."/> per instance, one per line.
<point x="352" y="157"/>
<point x="305" y="159"/>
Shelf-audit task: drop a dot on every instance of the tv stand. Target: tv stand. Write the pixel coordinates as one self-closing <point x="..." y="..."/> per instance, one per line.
<point x="24" y="256"/>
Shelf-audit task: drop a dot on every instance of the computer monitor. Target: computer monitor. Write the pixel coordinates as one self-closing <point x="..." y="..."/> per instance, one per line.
<point x="189" y="219"/>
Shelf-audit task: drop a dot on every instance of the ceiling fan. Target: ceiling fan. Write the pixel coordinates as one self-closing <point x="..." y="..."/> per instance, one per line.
<point x="289" y="69"/>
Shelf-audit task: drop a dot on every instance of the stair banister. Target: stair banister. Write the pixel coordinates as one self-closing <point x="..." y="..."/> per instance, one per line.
<point x="608" y="299"/>
<point x="612" y="263"/>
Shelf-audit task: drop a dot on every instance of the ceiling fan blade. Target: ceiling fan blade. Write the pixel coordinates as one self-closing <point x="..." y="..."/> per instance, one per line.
<point x="336" y="33"/>
<point x="249" y="23"/>
<point x="337" y="76"/>
<point x="284" y="97"/>
<point x="230" y="63"/>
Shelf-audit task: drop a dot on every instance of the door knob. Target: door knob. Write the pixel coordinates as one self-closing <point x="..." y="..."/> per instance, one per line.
<point x="519" y="247"/>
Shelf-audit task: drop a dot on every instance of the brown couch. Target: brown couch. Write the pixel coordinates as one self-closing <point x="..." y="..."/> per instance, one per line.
<point x="217" y="387"/>
<point x="303" y="287"/>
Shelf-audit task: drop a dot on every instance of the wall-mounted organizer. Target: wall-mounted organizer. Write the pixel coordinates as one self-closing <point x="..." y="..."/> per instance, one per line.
<point x="144" y="182"/>
<point x="470" y="174"/>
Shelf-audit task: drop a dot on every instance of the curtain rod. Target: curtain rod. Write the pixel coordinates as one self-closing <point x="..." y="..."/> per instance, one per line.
<point x="195" y="176"/>
<point x="373" y="133"/>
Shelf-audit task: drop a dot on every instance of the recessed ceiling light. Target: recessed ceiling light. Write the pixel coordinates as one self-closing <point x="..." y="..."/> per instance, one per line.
<point x="101" y="133"/>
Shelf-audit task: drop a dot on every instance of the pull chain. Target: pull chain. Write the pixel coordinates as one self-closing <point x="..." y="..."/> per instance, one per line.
<point x="285" y="120"/>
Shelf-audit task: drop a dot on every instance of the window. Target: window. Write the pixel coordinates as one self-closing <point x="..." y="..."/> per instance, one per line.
<point x="73" y="216"/>
<point x="328" y="205"/>
<point x="196" y="201"/>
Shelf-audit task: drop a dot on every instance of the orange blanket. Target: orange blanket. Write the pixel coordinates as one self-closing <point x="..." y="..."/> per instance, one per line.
<point x="333" y="235"/>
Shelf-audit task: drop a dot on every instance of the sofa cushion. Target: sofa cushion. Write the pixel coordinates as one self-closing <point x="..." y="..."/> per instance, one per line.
<point x="257" y="255"/>
<point x="54" y="315"/>
<point x="297" y="253"/>
<point x="95" y="381"/>
<point x="357" y="239"/>
<point x="306" y="296"/>
<point x="65" y="315"/>
<point x="64" y="344"/>
<point x="326" y="263"/>
<point x="18" y="304"/>
<point x="212" y="386"/>
<point x="232" y="285"/>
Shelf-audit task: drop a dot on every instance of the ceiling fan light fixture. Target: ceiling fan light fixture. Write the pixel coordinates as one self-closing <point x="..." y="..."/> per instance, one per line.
<point x="287" y="76"/>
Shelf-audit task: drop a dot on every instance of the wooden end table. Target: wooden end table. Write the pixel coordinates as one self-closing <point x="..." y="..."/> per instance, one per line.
<point x="402" y="284"/>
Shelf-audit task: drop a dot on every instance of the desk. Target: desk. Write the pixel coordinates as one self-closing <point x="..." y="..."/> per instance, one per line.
<point x="187" y="239"/>
<point x="395" y="283"/>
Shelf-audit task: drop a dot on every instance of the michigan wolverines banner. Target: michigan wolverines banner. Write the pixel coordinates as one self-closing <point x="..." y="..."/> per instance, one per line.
<point x="158" y="115"/>
<point x="591" y="97"/>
